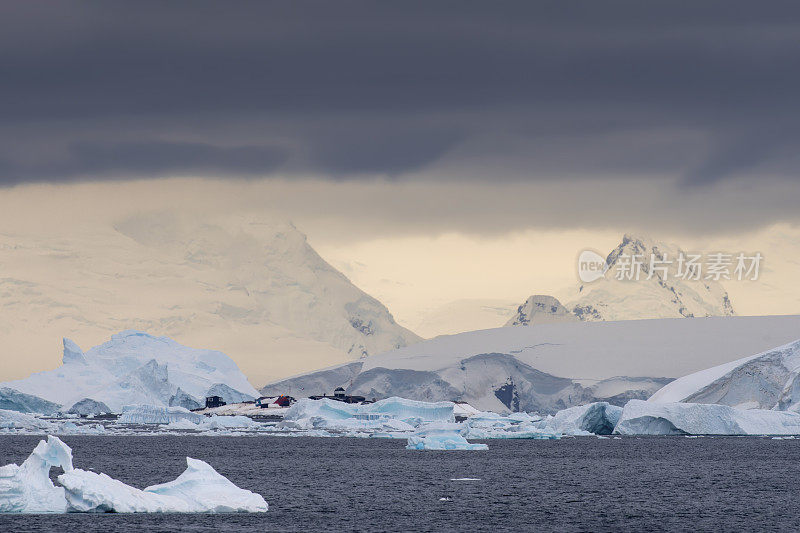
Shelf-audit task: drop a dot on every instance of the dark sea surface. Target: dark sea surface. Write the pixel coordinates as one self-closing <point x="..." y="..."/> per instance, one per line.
<point x="346" y="484"/>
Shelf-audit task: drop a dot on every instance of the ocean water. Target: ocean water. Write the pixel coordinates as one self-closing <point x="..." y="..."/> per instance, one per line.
<point x="344" y="484"/>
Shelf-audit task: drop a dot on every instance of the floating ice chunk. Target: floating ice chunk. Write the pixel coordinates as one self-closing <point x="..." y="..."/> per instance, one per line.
<point x="151" y="414"/>
<point x="598" y="418"/>
<point x="392" y="414"/>
<point x="228" y="422"/>
<point x="648" y="418"/>
<point x="411" y="410"/>
<point x="200" y="489"/>
<point x="71" y="428"/>
<point x="441" y="436"/>
<point x="208" y="491"/>
<point x="22" y="421"/>
<point x="494" y="426"/>
<point x="183" y="425"/>
<point x="28" y="488"/>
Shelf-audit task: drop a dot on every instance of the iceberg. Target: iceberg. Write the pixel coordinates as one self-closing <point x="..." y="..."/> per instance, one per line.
<point x="152" y="414"/>
<point x="515" y="426"/>
<point x="767" y="380"/>
<point x="27" y="488"/>
<point x="648" y="418"/>
<point x="14" y="400"/>
<point x="229" y="394"/>
<point x="135" y="367"/>
<point x="14" y="420"/>
<point x="199" y="489"/>
<point x="87" y="406"/>
<point x="392" y="414"/>
<point x="597" y="418"/>
<point x="442" y="436"/>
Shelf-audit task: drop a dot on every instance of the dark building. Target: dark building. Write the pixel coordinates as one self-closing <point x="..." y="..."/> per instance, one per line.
<point x="340" y="396"/>
<point x="214" y="401"/>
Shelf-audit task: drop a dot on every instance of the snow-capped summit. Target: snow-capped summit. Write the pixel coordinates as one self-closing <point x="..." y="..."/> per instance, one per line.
<point x="541" y="309"/>
<point x="251" y="286"/>
<point x="136" y="368"/>
<point x="662" y="293"/>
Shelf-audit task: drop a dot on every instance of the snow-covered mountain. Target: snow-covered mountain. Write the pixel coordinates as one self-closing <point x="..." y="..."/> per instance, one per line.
<point x="768" y="380"/>
<point x="663" y="295"/>
<point x="136" y="368"/>
<point x="551" y="366"/>
<point x="541" y="309"/>
<point x="252" y="287"/>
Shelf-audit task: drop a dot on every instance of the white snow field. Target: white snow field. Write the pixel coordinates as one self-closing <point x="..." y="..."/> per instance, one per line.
<point x="648" y="418"/>
<point x="548" y="367"/>
<point x="136" y="368"/>
<point x="27" y="488"/>
<point x="767" y="380"/>
<point x="250" y="286"/>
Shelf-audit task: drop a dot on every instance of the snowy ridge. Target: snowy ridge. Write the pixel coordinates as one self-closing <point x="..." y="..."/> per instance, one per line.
<point x="135" y="368"/>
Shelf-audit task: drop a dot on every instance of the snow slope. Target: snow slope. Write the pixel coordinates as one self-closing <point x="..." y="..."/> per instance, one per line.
<point x="249" y="286"/>
<point x="661" y="296"/>
<point x="550" y="366"/>
<point x="134" y="368"/>
<point x="767" y="380"/>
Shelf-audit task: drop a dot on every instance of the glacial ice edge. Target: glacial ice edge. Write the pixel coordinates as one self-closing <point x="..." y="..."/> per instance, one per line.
<point x="27" y="488"/>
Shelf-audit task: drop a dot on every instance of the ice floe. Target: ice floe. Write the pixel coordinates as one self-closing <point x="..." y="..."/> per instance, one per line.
<point x="27" y="488"/>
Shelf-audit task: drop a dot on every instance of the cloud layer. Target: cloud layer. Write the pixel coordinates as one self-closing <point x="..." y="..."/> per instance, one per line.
<point x="684" y="112"/>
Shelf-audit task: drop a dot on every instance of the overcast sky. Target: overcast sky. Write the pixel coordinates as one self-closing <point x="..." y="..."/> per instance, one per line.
<point x="591" y="108"/>
<point x="448" y="157"/>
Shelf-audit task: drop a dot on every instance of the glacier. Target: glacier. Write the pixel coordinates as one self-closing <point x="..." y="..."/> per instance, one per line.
<point x="546" y="368"/>
<point x="27" y="488"/>
<point x="137" y="368"/>
<point x="648" y="418"/>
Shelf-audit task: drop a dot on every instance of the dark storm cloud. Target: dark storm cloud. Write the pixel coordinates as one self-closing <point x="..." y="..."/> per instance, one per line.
<point x="692" y="90"/>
